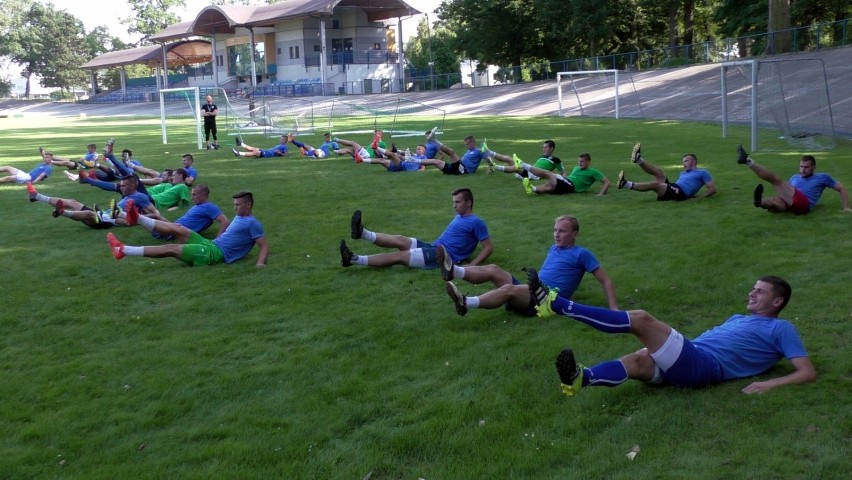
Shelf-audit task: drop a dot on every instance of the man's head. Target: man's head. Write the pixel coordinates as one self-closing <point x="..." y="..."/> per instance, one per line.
<point x="126" y="154"/>
<point x="463" y="201"/>
<point x="243" y="202"/>
<point x="583" y="160"/>
<point x="420" y="150"/>
<point x="769" y="296"/>
<point x="470" y="142"/>
<point x="92" y="148"/>
<point x="179" y="176"/>
<point x="326" y="136"/>
<point x="200" y="193"/>
<point x="690" y="161"/>
<point x="187" y="160"/>
<point x="128" y="185"/>
<point x="283" y="140"/>
<point x="548" y="147"/>
<point x="565" y="230"/>
<point x="807" y="165"/>
<point x="209" y="99"/>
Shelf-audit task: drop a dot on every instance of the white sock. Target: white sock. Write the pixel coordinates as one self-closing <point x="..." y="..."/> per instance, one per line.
<point x="628" y="185"/>
<point x="534" y="189"/>
<point x="134" y="251"/>
<point x="749" y="162"/>
<point x="526" y="166"/>
<point x="472" y="302"/>
<point x="42" y="198"/>
<point x="500" y="168"/>
<point x="147" y="222"/>
<point x="458" y="272"/>
<point x="359" y="260"/>
<point x="368" y="236"/>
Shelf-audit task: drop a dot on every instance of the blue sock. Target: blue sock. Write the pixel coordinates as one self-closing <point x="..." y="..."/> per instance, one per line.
<point x="607" y="374"/>
<point x="603" y="319"/>
<point x="297" y="143"/>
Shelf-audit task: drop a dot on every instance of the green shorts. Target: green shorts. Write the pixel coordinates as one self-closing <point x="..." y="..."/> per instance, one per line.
<point x="546" y="164"/>
<point x="199" y="251"/>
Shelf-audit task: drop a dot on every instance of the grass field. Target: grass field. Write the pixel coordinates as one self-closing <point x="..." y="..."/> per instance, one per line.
<point x="150" y="369"/>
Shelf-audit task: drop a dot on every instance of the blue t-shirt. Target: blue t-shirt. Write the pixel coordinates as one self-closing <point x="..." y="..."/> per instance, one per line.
<point x="812" y="186"/>
<point x="462" y="235"/>
<point x="200" y="216"/>
<point x="747" y="345"/>
<point x="564" y="267"/>
<point x="274" y="151"/>
<point x="327" y="147"/>
<point x="471" y="159"/>
<point x="44" y="168"/>
<point x="238" y="239"/>
<point x="691" y="182"/>
<point x="191" y="172"/>
<point x="140" y="199"/>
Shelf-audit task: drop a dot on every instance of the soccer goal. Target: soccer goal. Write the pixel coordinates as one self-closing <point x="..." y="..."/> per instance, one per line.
<point x="784" y="102"/>
<point x="598" y="93"/>
<point x="180" y="115"/>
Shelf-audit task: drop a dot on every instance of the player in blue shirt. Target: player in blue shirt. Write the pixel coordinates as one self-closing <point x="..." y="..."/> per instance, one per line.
<point x="798" y="195"/>
<point x="563" y="270"/>
<point x="323" y="151"/>
<point x="279" y="150"/>
<point x="244" y="232"/>
<point x="467" y="164"/>
<point x="401" y="162"/>
<point x="459" y="240"/>
<point x="201" y="215"/>
<point x="688" y="183"/>
<point x="37" y="174"/>
<point x="742" y="346"/>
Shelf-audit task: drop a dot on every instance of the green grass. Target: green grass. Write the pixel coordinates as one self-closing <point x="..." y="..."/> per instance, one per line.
<point x="150" y="369"/>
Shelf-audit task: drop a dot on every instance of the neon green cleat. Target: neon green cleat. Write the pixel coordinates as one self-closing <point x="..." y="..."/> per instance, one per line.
<point x="570" y="373"/>
<point x="528" y="186"/>
<point x="540" y="293"/>
<point x="484" y="146"/>
<point x="519" y="164"/>
<point x="636" y="153"/>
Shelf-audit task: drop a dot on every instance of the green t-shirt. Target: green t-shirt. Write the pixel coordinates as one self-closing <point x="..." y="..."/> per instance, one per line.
<point x="583" y="179"/>
<point x="550" y="165"/>
<point x="166" y="195"/>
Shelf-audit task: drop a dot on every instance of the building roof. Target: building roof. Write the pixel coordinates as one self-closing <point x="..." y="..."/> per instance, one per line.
<point x="186" y="52"/>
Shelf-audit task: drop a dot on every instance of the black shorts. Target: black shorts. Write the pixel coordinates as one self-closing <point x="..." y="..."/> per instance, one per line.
<point x="673" y="193"/>
<point x="529" y="310"/>
<point x="563" y="186"/>
<point x="455" y="168"/>
<point x="95" y="226"/>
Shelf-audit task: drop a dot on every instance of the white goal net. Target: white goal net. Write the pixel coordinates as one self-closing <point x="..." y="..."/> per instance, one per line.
<point x="598" y="93"/>
<point x="180" y="116"/>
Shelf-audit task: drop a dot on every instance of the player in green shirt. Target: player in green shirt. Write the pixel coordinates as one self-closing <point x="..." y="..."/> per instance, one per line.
<point x="578" y="181"/>
<point x="546" y="162"/>
<point x="171" y="195"/>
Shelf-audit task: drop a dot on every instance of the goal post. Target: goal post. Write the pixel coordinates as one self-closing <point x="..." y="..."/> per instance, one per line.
<point x="598" y="93"/>
<point x="785" y="102"/>
<point x="180" y="112"/>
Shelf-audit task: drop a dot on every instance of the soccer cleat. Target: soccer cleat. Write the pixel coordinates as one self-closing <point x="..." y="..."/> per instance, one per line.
<point x="490" y="168"/>
<point x="458" y="298"/>
<point x="742" y="156"/>
<point x="758" y="195"/>
<point x="41" y="151"/>
<point x="356" y="227"/>
<point x="235" y="152"/>
<point x="31" y="190"/>
<point x="570" y="373"/>
<point x="303" y="151"/>
<point x="109" y="145"/>
<point x="346" y="255"/>
<point x="290" y="137"/>
<point x="71" y="176"/>
<point x="636" y="154"/>
<point x="98" y="213"/>
<point x="60" y="208"/>
<point x="358" y="158"/>
<point x="238" y="140"/>
<point x="542" y="295"/>
<point x="527" y="186"/>
<point x="375" y="143"/>
<point x="113" y="209"/>
<point x="620" y="182"/>
<point x="519" y="164"/>
<point x="484" y="146"/>
<point x="445" y="263"/>
<point x="131" y="214"/>
<point x="431" y="135"/>
<point x="407" y="154"/>
<point x="215" y="146"/>
<point x="83" y="176"/>
<point x="116" y="246"/>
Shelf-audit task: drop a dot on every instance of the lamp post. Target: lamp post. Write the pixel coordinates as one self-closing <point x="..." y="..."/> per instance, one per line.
<point x="431" y="61"/>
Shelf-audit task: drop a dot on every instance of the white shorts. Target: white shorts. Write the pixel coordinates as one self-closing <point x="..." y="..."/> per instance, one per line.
<point x="22" y="177"/>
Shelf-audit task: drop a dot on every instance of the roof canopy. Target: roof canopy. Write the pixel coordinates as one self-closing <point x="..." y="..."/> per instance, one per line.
<point x="187" y="52"/>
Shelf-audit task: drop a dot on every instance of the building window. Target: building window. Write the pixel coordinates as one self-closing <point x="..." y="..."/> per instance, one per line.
<point x="317" y="48"/>
<point x="335" y="24"/>
<point x="294" y="52"/>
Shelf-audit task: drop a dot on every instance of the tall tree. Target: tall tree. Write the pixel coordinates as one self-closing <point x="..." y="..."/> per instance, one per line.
<point x="434" y="44"/>
<point x="63" y="49"/>
<point x="151" y="16"/>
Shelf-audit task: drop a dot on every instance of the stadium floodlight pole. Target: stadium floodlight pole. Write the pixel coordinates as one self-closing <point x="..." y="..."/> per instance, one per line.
<point x="755" y="66"/>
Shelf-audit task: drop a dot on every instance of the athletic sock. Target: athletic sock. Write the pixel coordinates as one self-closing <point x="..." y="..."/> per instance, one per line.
<point x="134" y="251"/>
<point x="526" y="167"/>
<point x="147" y="223"/>
<point x="68" y="213"/>
<point x="472" y="302"/>
<point x="359" y="260"/>
<point x="749" y="162"/>
<point x="458" y="272"/>
<point x="534" y="189"/>
<point x="297" y="143"/>
<point x="368" y="236"/>
<point x="628" y="185"/>
<point x="603" y="319"/>
<point x="500" y="168"/>
<point x="42" y="198"/>
<point x="606" y="374"/>
<point x="380" y="150"/>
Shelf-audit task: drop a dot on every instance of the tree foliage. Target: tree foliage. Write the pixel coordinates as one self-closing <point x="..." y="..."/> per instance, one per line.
<point x="433" y="45"/>
<point x="151" y="16"/>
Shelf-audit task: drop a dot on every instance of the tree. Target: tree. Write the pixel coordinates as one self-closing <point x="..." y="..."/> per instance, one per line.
<point x="433" y="45"/>
<point x="151" y="16"/>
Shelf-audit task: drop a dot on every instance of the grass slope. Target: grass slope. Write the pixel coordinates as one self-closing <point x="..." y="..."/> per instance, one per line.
<point x="151" y="369"/>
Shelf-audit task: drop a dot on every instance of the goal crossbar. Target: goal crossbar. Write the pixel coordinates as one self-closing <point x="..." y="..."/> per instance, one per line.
<point x="559" y="76"/>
